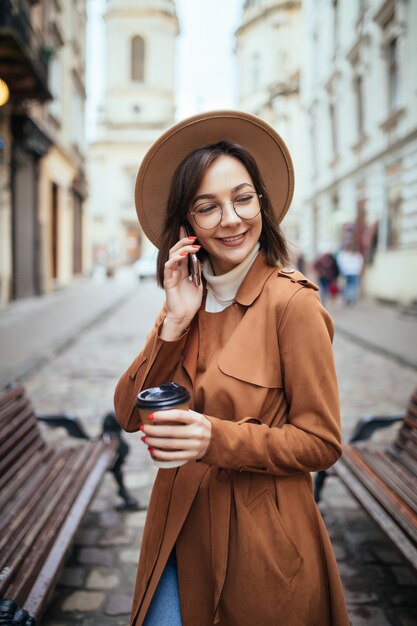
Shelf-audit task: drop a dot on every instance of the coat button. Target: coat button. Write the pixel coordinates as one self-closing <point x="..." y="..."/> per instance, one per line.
<point x="288" y="270"/>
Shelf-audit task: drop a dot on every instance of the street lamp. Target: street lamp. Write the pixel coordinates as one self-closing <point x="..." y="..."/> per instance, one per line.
<point x="4" y="92"/>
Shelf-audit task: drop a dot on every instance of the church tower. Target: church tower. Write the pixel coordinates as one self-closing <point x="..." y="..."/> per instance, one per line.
<point x="138" y="105"/>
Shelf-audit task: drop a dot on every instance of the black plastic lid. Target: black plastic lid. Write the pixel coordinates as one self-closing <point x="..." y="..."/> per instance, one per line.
<point x="162" y="397"/>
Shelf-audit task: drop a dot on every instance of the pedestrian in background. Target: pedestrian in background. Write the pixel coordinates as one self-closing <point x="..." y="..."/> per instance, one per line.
<point x="350" y="262"/>
<point x="327" y="272"/>
<point x="233" y="537"/>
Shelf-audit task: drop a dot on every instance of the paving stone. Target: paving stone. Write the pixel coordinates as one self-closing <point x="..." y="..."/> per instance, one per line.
<point x="117" y="536"/>
<point x="405" y="620"/>
<point x="95" y="556"/>
<point x="375" y="573"/>
<point x="137" y="480"/>
<point x="404" y="596"/>
<point x="339" y="552"/>
<point x="136" y="520"/>
<point x="87" y="537"/>
<point x="83" y="601"/>
<point x="118" y="604"/>
<point x="99" y="505"/>
<point x="129" y="556"/>
<point x="367" y="616"/>
<point x="347" y="571"/>
<point x="360" y="597"/>
<point x="102" y="579"/>
<point x="73" y="577"/>
<point x="404" y="576"/>
<point x="109" y="518"/>
<point x="386" y="553"/>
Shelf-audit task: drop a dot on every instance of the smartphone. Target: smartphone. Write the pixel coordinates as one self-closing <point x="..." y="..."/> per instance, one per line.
<point x="194" y="266"/>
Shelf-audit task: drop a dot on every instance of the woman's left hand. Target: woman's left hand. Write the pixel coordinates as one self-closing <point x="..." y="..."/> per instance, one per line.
<point x="169" y="440"/>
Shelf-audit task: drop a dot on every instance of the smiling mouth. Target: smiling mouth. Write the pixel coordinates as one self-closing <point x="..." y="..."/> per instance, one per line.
<point x="232" y="239"/>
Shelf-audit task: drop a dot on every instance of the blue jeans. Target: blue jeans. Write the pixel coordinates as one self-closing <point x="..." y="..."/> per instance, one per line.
<point x="351" y="288"/>
<point x="165" y="606"/>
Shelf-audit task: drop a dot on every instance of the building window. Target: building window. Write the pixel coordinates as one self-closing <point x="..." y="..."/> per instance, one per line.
<point x="393" y="74"/>
<point x="138" y="59"/>
<point x="358" y="87"/>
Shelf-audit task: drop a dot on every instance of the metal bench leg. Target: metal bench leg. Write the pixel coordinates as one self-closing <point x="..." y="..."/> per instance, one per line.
<point x="319" y="484"/>
<point x="111" y="428"/>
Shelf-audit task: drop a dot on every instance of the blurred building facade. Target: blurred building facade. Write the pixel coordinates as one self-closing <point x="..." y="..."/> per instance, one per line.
<point x="42" y="60"/>
<point x="359" y="96"/>
<point x="138" y="105"/>
<point x="268" y="56"/>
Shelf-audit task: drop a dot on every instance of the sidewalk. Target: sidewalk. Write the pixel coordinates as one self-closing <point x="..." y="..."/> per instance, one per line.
<point x="34" y="329"/>
<point x="378" y="327"/>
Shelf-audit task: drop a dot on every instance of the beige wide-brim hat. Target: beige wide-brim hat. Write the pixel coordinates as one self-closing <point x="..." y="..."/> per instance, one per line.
<point x="160" y="162"/>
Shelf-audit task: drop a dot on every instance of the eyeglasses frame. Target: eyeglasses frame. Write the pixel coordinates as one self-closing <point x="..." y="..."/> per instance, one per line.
<point x="260" y="196"/>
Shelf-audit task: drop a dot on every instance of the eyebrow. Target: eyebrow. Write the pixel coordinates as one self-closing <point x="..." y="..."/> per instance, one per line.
<point x="212" y="196"/>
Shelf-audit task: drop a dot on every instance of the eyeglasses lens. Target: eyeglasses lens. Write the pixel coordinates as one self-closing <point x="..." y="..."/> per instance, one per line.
<point x="209" y="215"/>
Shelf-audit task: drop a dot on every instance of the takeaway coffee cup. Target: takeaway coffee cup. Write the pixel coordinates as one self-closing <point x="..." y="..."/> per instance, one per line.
<point x="164" y="397"/>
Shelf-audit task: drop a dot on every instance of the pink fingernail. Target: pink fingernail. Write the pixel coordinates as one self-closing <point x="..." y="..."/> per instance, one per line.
<point x="143" y="439"/>
<point x="183" y="253"/>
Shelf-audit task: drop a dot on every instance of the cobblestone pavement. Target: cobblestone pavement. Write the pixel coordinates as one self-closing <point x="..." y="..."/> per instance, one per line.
<point x="97" y="583"/>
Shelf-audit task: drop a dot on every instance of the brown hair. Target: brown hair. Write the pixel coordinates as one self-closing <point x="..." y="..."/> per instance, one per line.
<point x="184" y="186"/>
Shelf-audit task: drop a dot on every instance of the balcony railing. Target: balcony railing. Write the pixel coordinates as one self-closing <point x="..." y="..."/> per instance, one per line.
<point x="23" y="63"/>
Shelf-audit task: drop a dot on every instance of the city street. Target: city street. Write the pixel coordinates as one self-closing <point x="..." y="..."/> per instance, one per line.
<point x="97" y="583"/>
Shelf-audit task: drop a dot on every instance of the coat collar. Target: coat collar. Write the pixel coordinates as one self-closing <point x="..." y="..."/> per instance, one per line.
<point x="254" y="281"/>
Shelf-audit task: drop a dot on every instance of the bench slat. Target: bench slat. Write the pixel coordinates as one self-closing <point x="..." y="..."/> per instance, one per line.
<point x="8" y="474"/>
<point x="15" y="405"/>
<point x="27" y="509"/>
<point x="45" y="491"/>
<point x="20" y="587"/>
<point x="56" y="496"/>
<point x="398" y="509"/>
<point x="41" y="590"/>
<point x="383" y="519"/>
<point x="20" y="474"/>
<point x="24" y="435"/>
<point x="394" y="475"/>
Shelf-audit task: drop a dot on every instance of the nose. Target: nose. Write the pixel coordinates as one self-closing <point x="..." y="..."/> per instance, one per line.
<point x="229" y="217"/>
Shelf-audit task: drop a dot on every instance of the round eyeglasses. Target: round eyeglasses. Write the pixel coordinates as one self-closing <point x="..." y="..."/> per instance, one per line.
<point x="209" y="214"/>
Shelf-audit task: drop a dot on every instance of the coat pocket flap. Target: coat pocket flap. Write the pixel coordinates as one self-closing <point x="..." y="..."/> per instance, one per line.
<point x="263" y="369"/>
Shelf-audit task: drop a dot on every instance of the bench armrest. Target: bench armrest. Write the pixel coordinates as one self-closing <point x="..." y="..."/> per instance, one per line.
<point x="368" y="424"/>
<point x="71" y="423"/>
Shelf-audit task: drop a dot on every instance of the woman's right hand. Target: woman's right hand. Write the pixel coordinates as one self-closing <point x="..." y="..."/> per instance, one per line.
<point x="183" y="297"/>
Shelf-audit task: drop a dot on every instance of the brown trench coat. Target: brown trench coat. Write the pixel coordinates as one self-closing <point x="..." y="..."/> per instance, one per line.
<point x="268" y="559"/>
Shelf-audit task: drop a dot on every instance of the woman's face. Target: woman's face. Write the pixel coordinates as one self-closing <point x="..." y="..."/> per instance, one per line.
<point x="230" y="242"/>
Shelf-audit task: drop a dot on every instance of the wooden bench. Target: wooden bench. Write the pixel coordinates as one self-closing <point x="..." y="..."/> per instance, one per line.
<point x="45" y="490"/>
<point x="383" y="478"/>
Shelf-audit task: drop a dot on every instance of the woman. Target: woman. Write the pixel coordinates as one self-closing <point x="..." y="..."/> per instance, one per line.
<point x="233" y="537"/>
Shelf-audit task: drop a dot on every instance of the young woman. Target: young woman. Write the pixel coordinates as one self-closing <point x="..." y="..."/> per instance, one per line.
<point x="233" y="536"/>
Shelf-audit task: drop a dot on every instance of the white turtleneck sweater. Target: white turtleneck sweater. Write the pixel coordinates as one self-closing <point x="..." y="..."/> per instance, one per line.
<point x="221" y="290"/>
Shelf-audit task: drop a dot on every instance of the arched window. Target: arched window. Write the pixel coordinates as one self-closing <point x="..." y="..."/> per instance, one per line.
<point x="138" y="59"/>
